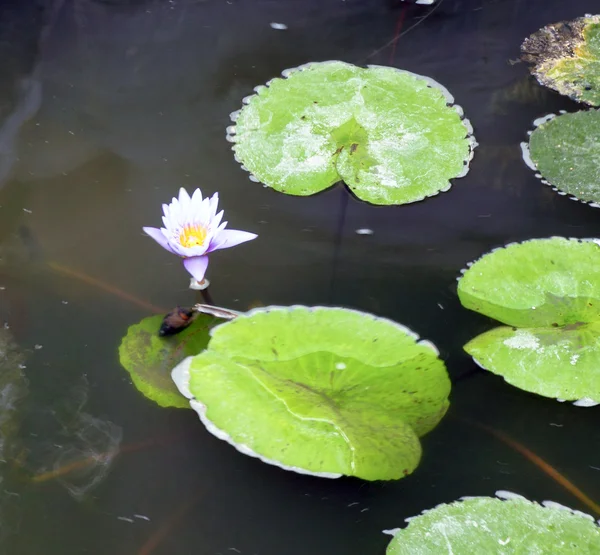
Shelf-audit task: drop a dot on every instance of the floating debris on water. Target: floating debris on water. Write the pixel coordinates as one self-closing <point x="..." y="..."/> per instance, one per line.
<point x="176" y="321"/>
<point x="181" y="317"/>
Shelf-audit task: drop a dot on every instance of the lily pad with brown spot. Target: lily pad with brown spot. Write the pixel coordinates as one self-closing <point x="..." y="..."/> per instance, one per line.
<point x="566" y="58"/>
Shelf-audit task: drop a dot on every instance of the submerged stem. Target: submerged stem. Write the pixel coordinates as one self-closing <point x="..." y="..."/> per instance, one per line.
<point x="541" y="464"/>
<point x="82" y="463"/>
<point x="107" y="287"/>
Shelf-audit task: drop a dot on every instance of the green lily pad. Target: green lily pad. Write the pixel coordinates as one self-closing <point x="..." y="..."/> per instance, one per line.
<point x="321" y="391"/>
<point x="537" y="283"/>
<point x="563" y="362"/>
<point x="390" y="135"/>
<point x="150" y="358"/>
<point x="564" y="149"/>
<point x="566" y="58"/>
<point x="548" y="290"/>
<point x="511" y="525"/>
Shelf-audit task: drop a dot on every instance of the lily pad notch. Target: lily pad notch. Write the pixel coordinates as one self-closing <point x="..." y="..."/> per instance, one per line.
<point x="562" y="152"/>
<point x="546" y="292"/>
<point x="507" y="523"/>
<point x="320" y="391"/>
<point x="392" y="136"/>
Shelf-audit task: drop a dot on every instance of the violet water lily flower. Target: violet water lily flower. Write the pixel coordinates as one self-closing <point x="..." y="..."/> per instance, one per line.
<point x="193" y="229"/>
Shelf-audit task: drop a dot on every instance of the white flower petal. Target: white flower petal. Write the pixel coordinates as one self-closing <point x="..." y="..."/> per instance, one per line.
<point x="196" y="198"/>
<point x="184" y="197"/>
<point x="182" y="208"/>
<point x="214" y="223"/>
<point x="204" y="213"/>
<point x="214" y="204"/>
<point x="159" y="236"/>
<point x="174" y="219"/>
<point x="230" y="238"/>
<point x="187" y="207"/>
<point x="174" y="211"/>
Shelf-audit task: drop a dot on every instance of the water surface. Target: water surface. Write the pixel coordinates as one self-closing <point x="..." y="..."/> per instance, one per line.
<point x="108" y="107"/>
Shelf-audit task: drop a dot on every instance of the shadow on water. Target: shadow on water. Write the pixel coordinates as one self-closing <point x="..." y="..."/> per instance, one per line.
<point x="106" y="109"/>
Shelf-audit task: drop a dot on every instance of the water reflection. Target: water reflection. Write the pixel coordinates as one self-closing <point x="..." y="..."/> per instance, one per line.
<point x="13" y="390"/>
<point x="134" y="79"/>
<point x="73" y="446"/>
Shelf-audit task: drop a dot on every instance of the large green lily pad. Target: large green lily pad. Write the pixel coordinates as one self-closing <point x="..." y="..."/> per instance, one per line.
<point x="150" y="358"/>
<point x="390" y="135"/>
<point x="548" y="291"/>
<point x="322" y="391"/>
<point x="495" y="526"/>
<point x="566" y="58"/>
<point x="565" y="149"/>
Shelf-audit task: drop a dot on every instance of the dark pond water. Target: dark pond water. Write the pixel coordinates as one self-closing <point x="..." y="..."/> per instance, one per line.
<point x="107" y="108"/>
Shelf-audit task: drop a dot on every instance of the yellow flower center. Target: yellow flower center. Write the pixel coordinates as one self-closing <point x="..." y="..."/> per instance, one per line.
<point x="193" y="236"/>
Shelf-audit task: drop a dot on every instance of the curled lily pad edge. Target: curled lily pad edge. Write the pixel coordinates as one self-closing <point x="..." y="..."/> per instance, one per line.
<point x="585" y="402"/>
<point x="181" y="376"/>
<point x="526" y="155"/>
<point x="231" y="130"/>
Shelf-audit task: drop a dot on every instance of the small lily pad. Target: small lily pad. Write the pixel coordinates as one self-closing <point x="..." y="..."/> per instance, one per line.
<point x="321" y="391"/>
<point x="390" y="135"/>
<point x="149" y="358"/>
<point x="563" y="362"/>
<point x="565" y="150"/>
<point x="548" y="291"/>
<point x="566" y="58"/>
<point x="488" y="525"/>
